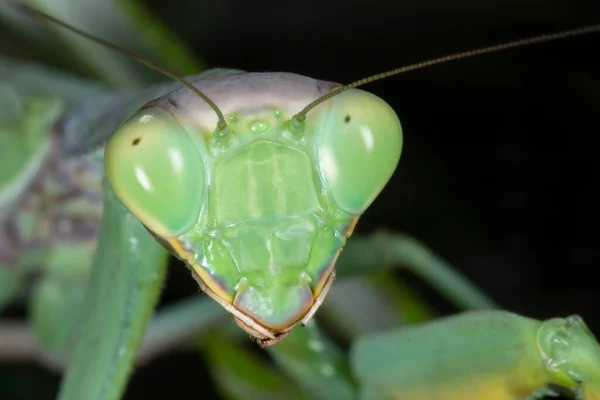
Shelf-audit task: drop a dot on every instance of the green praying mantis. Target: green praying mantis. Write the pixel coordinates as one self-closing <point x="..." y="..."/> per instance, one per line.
<point x="256" y="181"/>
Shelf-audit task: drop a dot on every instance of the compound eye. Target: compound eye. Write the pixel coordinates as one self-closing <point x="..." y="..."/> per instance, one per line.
<point x="156" y="170"/>
<point x="359" y="146"/>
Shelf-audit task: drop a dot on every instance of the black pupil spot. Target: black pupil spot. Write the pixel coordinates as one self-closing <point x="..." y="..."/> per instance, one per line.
<point x="136" y="141"/>
<point x="347" y="118"/>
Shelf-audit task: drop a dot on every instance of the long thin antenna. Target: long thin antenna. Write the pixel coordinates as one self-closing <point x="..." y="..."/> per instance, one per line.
<point x="452" y="57"/>
<point x="39" y="14"/>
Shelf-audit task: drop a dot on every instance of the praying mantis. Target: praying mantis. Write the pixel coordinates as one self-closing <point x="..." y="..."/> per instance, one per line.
<point x="119" y="220"/>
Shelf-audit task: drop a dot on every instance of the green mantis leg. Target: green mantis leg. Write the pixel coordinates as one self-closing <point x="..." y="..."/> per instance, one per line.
<point x="491" y="355"/>
<point x="129" y="266"/>
<point x="387" y="250"/>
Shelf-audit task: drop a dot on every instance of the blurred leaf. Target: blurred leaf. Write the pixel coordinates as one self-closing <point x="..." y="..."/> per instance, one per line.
<point x="406" y="301"/>
<point x="25" y="126"/>
<point x="58" y="295"/>
<point x="354" y="307"/>
<point x="26" y="79"/>
<point x="175" y="54"/>
<point x="128" y="24"/>
<point x="315" y="363"/>
<point x="104" y="20"/>
<point x="24" y="26"/>
<point x="181" y="323"/>
<point x="242" y="375"/>
<point x="358" y="305"/>
<point x="384" y="250"/>
<point x="10" y="282"/>
<point x="127" y="275"/>
<point x="54" y="309"/>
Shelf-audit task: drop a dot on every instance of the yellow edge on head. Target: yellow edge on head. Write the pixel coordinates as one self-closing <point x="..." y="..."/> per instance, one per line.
<point x="325" y="276"/>
<point x="217" y="289"/>
<point x="205" y="276"/>
<point x="347" y="232"/>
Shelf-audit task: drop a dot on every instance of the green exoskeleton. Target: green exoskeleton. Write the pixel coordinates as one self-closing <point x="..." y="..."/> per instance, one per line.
<point x="502" y="356"/>
<point x="260" y="209"/>
<point x="256" y="181"/>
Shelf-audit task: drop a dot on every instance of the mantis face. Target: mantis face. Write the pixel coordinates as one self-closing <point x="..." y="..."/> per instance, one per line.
<point x="259" y="211"/>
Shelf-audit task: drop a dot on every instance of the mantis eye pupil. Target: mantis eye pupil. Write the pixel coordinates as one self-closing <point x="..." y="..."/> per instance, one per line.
<point x="136" y="141"/>
<point x="347" y="118"/>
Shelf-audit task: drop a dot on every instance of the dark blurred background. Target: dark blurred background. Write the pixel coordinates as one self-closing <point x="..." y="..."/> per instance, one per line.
<point x="499" y="170"/>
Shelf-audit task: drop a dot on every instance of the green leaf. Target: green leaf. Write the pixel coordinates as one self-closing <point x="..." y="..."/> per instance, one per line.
<point x="128" y="272"/>
<point x="315" y="363"/>
<point x="241" y="374"/>
<point x="154" y="33"/>
<point x="54" y="308"/>
<point x="104" y="20"/>
<point x="356" y="307"/>
<point x="10" y="282"/>
<point x="386" y="250"/>
<point x="407" y="302"/>
<point x="28" y="79"/>
<point x="181" y="323"/>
